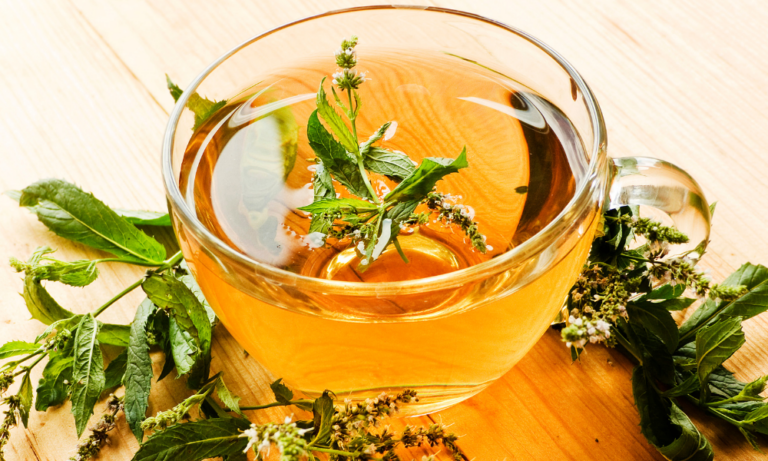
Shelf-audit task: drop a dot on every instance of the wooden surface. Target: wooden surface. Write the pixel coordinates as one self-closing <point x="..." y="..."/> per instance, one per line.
<point x="82" y="97"/>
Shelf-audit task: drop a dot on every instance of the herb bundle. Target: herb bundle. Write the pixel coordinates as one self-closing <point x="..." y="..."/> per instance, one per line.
<point x="367" y="221"/>
<point x="625" y="297"/>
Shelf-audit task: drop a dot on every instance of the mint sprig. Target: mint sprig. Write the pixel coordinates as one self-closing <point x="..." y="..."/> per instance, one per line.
<point x="625" y="296"/>
<point x="374" y="222"/>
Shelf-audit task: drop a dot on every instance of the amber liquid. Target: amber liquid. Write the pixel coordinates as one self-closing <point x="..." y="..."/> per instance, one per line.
<point x="249" y="167"/>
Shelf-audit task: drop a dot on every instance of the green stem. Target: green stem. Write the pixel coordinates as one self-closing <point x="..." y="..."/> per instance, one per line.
<point x="276" y="404"/>
<point x="114" y="299"/>
<point x="400" y="250"/>
<point x="31" y="366"/>
<point x="627" y="345"/>
<point x="135" y="263"/>
<point x="359" y="157"/>
<point x="168" y="263"/>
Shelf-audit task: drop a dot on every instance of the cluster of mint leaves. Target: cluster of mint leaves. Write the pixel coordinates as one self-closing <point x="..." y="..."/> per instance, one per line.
<point x="369" y="222"/>
<point x="625" y="297"/>
<point x="176" y="319"/>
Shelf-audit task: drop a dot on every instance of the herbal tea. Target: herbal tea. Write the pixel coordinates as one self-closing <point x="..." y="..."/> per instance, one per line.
<point x="503" y="165"/>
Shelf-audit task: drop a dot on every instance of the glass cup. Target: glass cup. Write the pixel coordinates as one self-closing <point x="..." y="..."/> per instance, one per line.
<point x="472" y="325"/>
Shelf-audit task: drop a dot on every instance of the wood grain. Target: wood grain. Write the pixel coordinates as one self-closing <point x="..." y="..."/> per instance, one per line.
<point x="83" y="98"/>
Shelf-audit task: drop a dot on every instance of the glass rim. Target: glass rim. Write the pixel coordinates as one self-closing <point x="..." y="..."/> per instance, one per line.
<point x="516" y="256"/>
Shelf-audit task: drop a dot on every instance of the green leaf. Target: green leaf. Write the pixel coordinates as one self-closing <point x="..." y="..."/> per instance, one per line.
<point x="676" y="304"/>
<point x="229" y="400"/>
<point x="282" y="393"/>
<point x="172" y="295"/>
<point x="751" y="438"/>
<point x="41" y="304"/>
<point x="145" y="218"/>
<point x="322" y="183"/>
<point x="191" y="283"/>
<point x="712" y="207"/>
<point x="74" y="273"/>
<point x="25" y="398"/>
<point x="755" y="278"/>
<point x="365" y="147"/>
<point x="345" y="205"/>
<point x="173" y="88"/>
<point x="114" y="335"/>
<point x="14" y="348"/>
<point x="88" y="372"/>
<point x="51" y="389"/>
<point x="183" y="348"/>
<point x="686" y="387"/>
<point x="195" y="441"/>
<point x="395" y="165"/>
<point x="667" y="291"/>
<point x="113" y="375"/>
<point x="754" y="388"/>
<point x="715" y="344"/>
<point x="138" y="371"/>
<point x="722" y="383"/>
<point x="423" y="179"/>
<point x="79" y="216"/>
<point x="657" y="359"/>
<point x="666" y="426"/>
<point x="335" y="158"/>
<point x="322" y="409"/>
<point x="334" y="121"/>
<point x="657" y="320"/>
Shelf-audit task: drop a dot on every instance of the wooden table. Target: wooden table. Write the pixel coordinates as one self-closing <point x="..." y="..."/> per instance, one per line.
<point x="82" y="97"/>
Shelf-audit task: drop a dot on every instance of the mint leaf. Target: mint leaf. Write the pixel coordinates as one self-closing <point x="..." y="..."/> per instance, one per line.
<point x="138" y="370"/>
<point x="753" y="389"/>
<point x="113" y="375"/>
<point x="715" y="344"/>
<point x="657" y="320"/>
<point x="191" y="283"/>
<point x="88" y="372"/>
<point x="195" y="441"/>
<point x="14" y="348"/>
<point x="344" y="205"/>
<point x="365" y="147"/>
<point x="666" y="426"/>
<point x="334" y="121"/>
<point x="755" y="278"/>
<point x="395" y="165"/>
<point x="41" y="304"/>
<point x="78" y="216"/>
<point x="53" y="387"/>
<point x="189" y="314"/>
<point x="322" y="183"/>
<point x="114" y="335"/>
<point x="183" y="348"/>
<point x="145" y="218"/>
<point x="667" y="291"/>
<point x="25" y="398"/>
<point x="423" y="179"/>
<point x="322" y="409"/>
<point x="229" y="400"/>
<point x="282" y="393"/>
<point x="335" y="158"/>
<point x="74" y="273"/>
<point x="173" y="88"/>
<point x="687" y="386"/>
<point x="722" y="383"/>
<point x="657" y="359"/>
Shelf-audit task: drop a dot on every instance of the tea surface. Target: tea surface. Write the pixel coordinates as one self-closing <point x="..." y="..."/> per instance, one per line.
<point x="249" y="167"/>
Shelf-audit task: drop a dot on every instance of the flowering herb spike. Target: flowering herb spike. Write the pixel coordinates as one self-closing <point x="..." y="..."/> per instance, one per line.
<point x="374" y="222"/>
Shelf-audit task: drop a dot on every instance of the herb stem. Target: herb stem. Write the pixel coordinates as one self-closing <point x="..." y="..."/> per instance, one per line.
<point x="172" y="261"/>
<point x="31" y="366"/>
<point x="135" y="263"/>
<point x="115" y="298"/>
<point x="627" y="345"/>
<point x="276" y="404"/>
